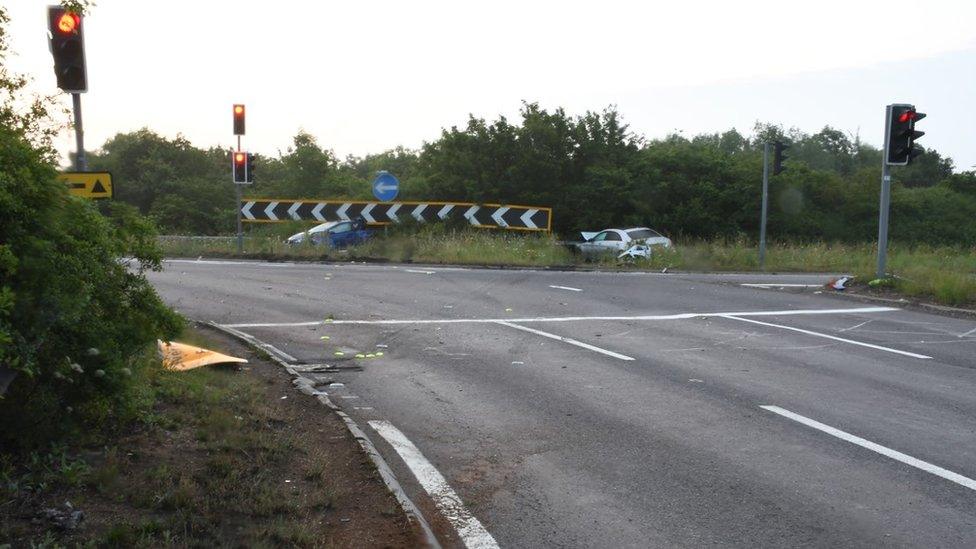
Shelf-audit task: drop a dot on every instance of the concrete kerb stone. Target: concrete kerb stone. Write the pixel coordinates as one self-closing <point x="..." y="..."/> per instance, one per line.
<point x="306" y="386"/>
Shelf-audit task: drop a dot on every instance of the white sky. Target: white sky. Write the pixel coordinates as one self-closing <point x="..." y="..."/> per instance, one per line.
<point x="369" y="75"/>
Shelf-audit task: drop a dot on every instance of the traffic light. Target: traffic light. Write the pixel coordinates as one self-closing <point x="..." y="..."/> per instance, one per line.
<point x="240" y="167"/>
<point x="68" y="48"/>
<point x="900" y="142"/>
<point x="238" y="119"/>
<point x="779" y="156"/>
<point x="243" y="167"/>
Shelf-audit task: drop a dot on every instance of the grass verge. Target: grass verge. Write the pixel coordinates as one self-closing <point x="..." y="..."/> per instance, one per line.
<point x="945" y="275"/>
<point x="219" y="456"/>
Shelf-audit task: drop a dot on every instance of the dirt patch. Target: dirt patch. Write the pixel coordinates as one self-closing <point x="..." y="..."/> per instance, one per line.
<point x="226" y="456"/>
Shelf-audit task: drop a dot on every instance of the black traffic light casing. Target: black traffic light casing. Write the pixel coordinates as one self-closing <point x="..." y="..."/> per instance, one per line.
<point x="900" y="137"/>
<point x="779" y="156"/>
<point x="239" y="164"/>
<point x="242" y="166"/>
<point x="68" y="49"/>
<point x="239" y="113"/>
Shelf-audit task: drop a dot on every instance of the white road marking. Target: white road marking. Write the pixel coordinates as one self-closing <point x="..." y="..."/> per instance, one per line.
<point x="566" y="340"/>
<point x="469" y="528"/>
<point x="566" y="288"/>
<point x="419" y="272"/>
<point x="887" y="452"/>
<point x="756" y="285"/>
<point x="678" y="316"/>
<point x="856" y="326"/>
<point x="835" y="338"/>
<point x="973" y="331"/>
<point x="266" y="346"/>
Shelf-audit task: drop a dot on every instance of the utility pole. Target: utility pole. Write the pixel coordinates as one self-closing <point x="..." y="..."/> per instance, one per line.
<point x="765" y="202"/>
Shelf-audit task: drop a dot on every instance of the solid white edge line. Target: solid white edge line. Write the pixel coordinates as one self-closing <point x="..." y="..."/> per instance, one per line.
<point x="826" y="336"/>
<point x="888" y="452"/>
<point x="566" y="288"/>
<point x="472" y="533"/>
<point x="678" y="316"/>
<point x="266" y="346"/>
<point x="566" y="340"/>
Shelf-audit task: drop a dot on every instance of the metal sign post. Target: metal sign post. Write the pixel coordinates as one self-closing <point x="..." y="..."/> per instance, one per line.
<point x="765" y="201"/>
<point x="885" y="201"/>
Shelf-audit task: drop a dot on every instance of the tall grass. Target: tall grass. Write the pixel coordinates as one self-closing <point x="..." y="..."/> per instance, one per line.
<point x="944" y="274"/>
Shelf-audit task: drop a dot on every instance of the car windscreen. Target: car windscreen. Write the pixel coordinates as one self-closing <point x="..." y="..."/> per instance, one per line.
<point x="640" y="234"/>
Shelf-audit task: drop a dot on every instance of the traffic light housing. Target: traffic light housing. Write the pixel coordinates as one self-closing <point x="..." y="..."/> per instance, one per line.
<point x="67" y="43"/>
<point x="239" y="161"/>
<point x="239" y="119"/>
<point x="243" y="167"/>
<point x="900" y="146"/>
<point x="779" y="156"/>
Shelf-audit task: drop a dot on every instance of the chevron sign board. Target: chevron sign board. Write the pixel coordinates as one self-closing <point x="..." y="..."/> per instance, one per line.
<point x="488" y="216"/>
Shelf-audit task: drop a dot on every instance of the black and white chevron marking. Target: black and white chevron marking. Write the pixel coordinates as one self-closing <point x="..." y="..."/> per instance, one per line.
<point x="264" y="210"/>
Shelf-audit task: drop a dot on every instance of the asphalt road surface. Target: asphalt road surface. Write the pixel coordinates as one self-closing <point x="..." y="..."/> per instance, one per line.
<point x="569" y="409"/>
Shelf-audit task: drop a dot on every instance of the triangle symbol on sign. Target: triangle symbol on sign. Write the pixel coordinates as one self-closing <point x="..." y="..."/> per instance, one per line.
<point x="98" y="187"/>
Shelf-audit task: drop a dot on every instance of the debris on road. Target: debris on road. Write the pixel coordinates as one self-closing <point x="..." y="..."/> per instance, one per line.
<point x="180" y="356"/>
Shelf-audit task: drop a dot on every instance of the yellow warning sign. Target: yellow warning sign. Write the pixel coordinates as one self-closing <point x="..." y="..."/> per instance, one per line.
<point x="88" y="184"/>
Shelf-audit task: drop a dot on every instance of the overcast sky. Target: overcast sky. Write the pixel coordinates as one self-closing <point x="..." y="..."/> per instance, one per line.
<point x="367" y="76"/>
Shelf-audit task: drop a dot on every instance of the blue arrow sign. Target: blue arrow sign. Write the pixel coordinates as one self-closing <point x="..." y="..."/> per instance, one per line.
<point x="386" y="187"/>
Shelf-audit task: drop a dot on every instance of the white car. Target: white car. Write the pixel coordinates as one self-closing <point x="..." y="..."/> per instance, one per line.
<point x="624" y="243"/>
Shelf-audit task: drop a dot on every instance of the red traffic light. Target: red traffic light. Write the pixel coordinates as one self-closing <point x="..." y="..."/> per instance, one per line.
<point x="239" y="158"/>
<point x="68" y="22"/>
<point x="906" y="116"/>
<point x="238" y="119"/>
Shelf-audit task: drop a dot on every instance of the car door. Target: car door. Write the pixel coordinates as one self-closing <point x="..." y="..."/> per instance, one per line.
<point x="340" y="234"/>
<point x="612" y="243"/>
<point x="595" y="245"/>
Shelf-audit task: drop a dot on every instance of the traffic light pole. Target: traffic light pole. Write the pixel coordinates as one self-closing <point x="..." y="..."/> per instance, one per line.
<point x="883" y="218"/>
<point x="237" y="194"/>
<point x="81" y="162"/>
<point x="765" y="202"/>
<point x="885" y="199"/>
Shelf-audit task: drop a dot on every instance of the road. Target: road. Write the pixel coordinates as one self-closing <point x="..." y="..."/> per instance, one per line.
<point x="571" y="409"/>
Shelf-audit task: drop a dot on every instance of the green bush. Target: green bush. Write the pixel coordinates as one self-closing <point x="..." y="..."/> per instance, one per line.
<point x="75" y="316"/>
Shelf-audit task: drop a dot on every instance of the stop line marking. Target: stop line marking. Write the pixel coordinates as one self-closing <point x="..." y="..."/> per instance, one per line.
<point x="874" y="447"/>
<point x="472" y="533"/>
<point x="677" y="316"/>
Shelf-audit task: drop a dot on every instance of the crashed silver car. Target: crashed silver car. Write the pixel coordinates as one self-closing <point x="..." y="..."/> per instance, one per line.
<point x="624" y="243"/>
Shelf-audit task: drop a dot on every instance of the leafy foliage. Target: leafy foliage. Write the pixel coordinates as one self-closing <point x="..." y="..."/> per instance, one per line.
<point x="73" y="316"/>
<point x="591" y="169"/>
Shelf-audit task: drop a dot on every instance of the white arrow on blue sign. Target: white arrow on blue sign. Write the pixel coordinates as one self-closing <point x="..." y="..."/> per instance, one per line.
<point x="386" y="186"/>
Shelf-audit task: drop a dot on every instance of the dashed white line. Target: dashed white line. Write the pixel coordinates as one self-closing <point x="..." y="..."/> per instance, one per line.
<point x="757" y="285"/>
<point x="678" y="316"/>
<point x="827" y="336"/>
<point x="566" y="340"/>
<point x="566" y="288"/>
<point x="419" y="272"/>
<point x="874" y="447"/>
<point x="469" y="528"/>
